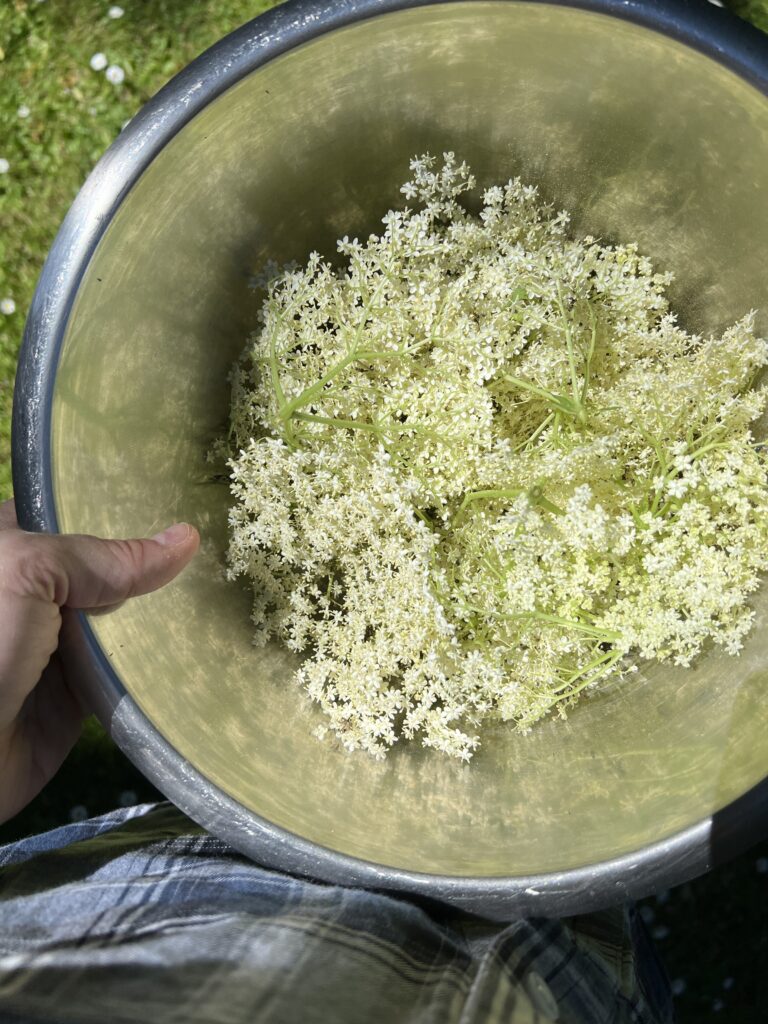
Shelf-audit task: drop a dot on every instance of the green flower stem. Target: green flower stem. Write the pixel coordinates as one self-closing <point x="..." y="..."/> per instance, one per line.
<point x="604" y="635"/>
<point x="330" y="421"/>
<point x="571" y="354"/>
<point x="539" y="430"/>
<point x="373" y="428"/>
<point x="274" y="370"/>
<point x="500" y="492"/>
<point x="601" y="635"/>
<point x="309" y="394"/>
<point x="590" y="353"/>
<point x="535" y="496"/>
<point x="561" y="403"/>
<point x="713" y="446"/>
<point x="588" y="681"/>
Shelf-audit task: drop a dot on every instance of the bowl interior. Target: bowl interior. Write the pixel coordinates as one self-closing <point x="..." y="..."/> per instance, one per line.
<point x="643" y="139"/>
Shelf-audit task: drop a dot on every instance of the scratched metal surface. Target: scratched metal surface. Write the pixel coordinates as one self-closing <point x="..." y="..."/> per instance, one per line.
<point x="644" y="138"/>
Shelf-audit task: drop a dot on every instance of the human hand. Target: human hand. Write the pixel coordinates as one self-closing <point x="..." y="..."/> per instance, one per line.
<point x="40" y="714"/>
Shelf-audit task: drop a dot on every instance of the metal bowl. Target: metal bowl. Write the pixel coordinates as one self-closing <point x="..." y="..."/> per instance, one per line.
<point x="650" y="122"/>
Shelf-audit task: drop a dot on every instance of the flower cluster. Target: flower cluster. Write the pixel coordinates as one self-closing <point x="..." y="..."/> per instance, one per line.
<point x="477" y="466"/>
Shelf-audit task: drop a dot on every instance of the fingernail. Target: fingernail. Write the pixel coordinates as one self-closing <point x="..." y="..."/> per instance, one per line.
<point x="175" y="534"/>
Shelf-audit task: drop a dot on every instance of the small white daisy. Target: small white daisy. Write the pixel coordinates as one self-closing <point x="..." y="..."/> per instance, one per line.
<point x="4" y="165"/>
<point x="114" y="74"/>
<point x="23" y="111"/>
<point x="115" y="12"/>
<point x="99" y="61"/>
<point x="7" y="307"/>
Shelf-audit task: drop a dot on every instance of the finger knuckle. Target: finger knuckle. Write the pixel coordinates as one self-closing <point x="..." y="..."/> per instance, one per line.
<point x="130" y="555"/>
<point x="29" y="567"/>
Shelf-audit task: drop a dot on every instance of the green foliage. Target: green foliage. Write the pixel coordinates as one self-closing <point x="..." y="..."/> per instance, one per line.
<point x="74" y="115"/>
<point x="755" y="11"/>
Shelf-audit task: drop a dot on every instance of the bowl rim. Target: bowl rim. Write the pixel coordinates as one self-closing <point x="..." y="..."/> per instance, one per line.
<point x="704" y="27"/>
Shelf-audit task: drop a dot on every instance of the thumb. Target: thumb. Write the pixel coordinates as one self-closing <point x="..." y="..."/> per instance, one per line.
<point x="86" y="572"/>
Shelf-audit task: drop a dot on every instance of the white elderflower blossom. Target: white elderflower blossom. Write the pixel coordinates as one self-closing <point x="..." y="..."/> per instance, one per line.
<point x="677" y="488"/>
<point x="480" y="467"/>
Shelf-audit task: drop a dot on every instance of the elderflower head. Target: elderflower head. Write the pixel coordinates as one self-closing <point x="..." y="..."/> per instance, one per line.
<point x="479" y="468"/>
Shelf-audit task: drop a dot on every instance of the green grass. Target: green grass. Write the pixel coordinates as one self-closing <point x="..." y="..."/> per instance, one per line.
<point x="717" y="925"/>
<point x="45" y="50"/>
<point x="755" y="11"/>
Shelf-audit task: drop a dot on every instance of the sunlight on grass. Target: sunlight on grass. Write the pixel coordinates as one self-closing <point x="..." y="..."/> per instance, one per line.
<point x="72" y="74"/>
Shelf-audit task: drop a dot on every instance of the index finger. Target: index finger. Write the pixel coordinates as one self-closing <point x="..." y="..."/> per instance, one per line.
<point x="8" y="515"/>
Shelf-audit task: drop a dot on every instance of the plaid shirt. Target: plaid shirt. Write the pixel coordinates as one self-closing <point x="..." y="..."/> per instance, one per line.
<point x="140" y="915"/>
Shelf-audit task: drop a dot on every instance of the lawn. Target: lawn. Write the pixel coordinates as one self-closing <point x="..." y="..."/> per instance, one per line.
<point x="72" y="72"/>
<point x="58" y="114"/>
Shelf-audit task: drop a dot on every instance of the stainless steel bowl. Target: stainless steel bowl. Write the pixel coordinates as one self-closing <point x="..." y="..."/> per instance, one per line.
<point x="650" y="122"/>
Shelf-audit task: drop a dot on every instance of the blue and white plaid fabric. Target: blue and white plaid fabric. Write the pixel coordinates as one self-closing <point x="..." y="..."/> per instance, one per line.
<point x="142" y="916"/>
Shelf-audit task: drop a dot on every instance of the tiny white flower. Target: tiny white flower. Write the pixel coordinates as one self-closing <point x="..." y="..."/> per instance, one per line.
<point x="23" y="111"/>
<point x="114" y="74"/>
<point x="7" y="307"/>
<point x="677" y="488"/>
<point x="99" y="61"/>
<point x="115" y="12"/>
<point x="4" y="165"/>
